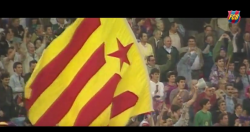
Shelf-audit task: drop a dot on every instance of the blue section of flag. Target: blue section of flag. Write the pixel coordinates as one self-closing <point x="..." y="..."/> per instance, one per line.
<point x="233" y="12"/>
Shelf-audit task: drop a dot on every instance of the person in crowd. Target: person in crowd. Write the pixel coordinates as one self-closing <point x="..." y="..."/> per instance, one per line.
<point x="208" y="56"/>
<point x="157" y="90"/>
<point x="139" y="24"/>
<point x="207" y="94"/>
<point x="222" y="53"/>
<point x="190" y="64"/>
<point x="221" y="89"/>
<point x="16" y="80"/>
<point x="223" y="43"/>
<point x="6" y="42"/>
<point x="221" y="108"/>
<point x="136" y="32"/>
<point x="12" y="57"/>
<point x="168" y="21"/>
<point x="222" y="120"/>
<point x="49" y="34"/>
<point x="175" y="113"/>
<point x="181" y="83"/>
<point x="236" y="97"/>
<point x="242" y="81"/>
<point x="235" y="116"/>
<point x="39" y="33"/>
<point x="244" y="25"/>
<point x="162" y="68"/>
<point x="191" y="108"/>
<point x="160" y="26"/>
<point x="38" y="43"/>
<point x="176" y="37"/>
<point x="164" y="118"/>
<point x="203" y="117"/>
<point x="246" y="102"/>
<point x="237" y="39"/>
<point x="60" y="26"/>
<point x="244" y="121"/>
<point x="246" y="46"/>
<point x="167" y="121"/>
<point x="133" y="122"/>
<point x="208" y="31"/>
<point x="20" y="109"/>
<point x="162" y="56"/>
<point x="231" y="69"/>
<point x="7" y="107"/>
<point x="17" y="28"/>
<point x="147" y="121"/>
<point x="29" y="52"/>
<point x="246" y="62"/>
<point x="183" y="116"/>
<point x="146" y="48"/>
<point x="220" y="72"/>
<point x="32" y="65"/>
<point x="155" y="41"/>
<point x="29" y="56"/>
<point x="169" y="86"/>
<point x="34" y="22"/>
<point x="229" y="98"/>
<point x="149" y="23"/>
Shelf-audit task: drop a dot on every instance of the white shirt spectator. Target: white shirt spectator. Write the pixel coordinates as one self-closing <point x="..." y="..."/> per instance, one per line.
<point x="28" y="57"/>
<point x="16" y="83"/>
<point x="153" y="87"/>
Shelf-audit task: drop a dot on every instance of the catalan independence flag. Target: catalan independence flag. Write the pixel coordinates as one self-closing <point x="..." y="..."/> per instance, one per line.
<point x="91" y="75"/>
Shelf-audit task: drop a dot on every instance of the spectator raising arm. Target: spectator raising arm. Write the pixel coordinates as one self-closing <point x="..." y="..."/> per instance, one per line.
<point x="220" y="43"/>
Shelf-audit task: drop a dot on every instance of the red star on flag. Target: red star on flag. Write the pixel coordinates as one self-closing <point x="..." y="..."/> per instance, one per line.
<point x="121" y="53"/>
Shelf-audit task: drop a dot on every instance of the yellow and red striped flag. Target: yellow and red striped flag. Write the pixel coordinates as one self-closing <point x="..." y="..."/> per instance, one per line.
<point x="91" y="75"/>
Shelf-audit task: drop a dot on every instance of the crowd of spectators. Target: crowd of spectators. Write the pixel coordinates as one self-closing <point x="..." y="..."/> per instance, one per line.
<point x="177" y="52"/>
<point x="181" y="54"/>
<point x="22" y="42"/>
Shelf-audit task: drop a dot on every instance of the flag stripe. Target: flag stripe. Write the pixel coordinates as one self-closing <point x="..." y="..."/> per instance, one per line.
<point x="52" y="70"/>
<point x="57" y="110"/>
<point x="51" y="52"/>
<point x="98" y="103"/>
<point x="123" y="102"/>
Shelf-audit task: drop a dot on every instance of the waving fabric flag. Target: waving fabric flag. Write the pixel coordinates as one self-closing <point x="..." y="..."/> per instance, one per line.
<point x="91" y="75"/>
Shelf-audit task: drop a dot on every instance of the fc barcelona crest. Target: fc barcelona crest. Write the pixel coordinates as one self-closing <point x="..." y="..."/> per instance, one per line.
<point x="233" y="16"/>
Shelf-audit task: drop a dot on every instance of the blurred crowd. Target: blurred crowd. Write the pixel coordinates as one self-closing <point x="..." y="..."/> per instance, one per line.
<point x="22" y="42"/>
<point x="199" y="68"/>
<point x="199" y="71"/>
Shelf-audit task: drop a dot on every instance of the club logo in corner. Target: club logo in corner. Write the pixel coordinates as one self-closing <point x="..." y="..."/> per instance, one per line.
<point x="233" y="16"/>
